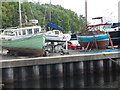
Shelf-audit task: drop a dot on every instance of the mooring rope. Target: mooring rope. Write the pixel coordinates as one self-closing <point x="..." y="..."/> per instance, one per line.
<point x="110" y="58"/>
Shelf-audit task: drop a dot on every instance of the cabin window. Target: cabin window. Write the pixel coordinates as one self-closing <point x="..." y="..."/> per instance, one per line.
<point x="16" y="33"/>
<point x="23" y="32"/>
<point x="107" y="26"/>
<point x="36" y="30"/>
<point x="29" y="31"/>
<point x="19" y="32"/>
<point x="56" y="32"/>
<point x="1" y="31"/>
<point x="10" y="33"/>
<point x="49" y="32"/>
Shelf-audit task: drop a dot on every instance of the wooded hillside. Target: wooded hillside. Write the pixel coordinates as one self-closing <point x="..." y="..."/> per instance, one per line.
<point x="44" y="13"/>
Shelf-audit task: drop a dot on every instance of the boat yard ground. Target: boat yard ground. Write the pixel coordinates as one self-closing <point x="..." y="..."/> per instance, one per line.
<point x="4" y="56"/>
<point x="55" y="63"/>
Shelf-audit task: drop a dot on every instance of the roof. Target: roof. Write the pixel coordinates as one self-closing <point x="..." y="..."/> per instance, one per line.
<point x="15" y="29"/>
<point x="99" y="24"/>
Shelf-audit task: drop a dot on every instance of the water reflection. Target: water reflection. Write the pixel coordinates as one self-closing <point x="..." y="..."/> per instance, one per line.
<point x="89" y="80"/>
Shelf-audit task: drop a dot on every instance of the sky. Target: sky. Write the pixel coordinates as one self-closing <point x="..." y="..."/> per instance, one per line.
<point x="108" y="9"/>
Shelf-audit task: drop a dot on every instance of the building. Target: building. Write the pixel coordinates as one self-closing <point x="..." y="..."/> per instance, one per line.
<point x="119" y="11"/>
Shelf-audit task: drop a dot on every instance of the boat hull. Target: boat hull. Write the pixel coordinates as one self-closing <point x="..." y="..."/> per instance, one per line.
<point x="65" y="37"/>
<point x="24" y="51"/>
<point x="115" y="36"/>
<point x="33" y="44"/>
<point x="100" y="44"/>
<point x="56" y="36"/>
<point x="100" y="41"/>
<point x="53" y="38"/>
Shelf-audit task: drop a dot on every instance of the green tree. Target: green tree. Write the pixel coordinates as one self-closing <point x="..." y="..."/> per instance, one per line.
<point x="82" y="22"/>
<point x="65" y="18"/>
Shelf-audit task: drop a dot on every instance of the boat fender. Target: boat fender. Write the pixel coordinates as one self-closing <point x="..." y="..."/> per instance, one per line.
<point x="64" y="52"/>
<point x="9" y="39"/>
<point x="46" y="53"/>
<point x="64" y="37"/>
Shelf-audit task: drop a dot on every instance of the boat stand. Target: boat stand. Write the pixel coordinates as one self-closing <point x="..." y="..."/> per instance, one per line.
<point x="88" y="47"/>
<point x="54" y="48"/>
<point x="111" y="42"/>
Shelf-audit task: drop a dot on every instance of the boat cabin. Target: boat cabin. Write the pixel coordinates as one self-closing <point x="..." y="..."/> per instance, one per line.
<point x="54" y="32"/>
<point x="22" y="31"/>
<point x="112" y="27"/>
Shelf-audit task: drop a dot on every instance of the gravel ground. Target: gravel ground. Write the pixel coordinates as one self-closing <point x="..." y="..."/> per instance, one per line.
<point x="4" y="56"/>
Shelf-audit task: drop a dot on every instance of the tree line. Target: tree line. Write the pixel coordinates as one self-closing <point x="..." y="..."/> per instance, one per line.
<point x="44" y="13"/>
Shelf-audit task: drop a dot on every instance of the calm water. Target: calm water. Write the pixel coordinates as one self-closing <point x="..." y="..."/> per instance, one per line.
<point x="96" y="80"/>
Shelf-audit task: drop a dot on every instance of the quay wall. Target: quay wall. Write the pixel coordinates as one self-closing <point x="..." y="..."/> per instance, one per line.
<point x="58" y="59"/>
<point x="58" y="66"/>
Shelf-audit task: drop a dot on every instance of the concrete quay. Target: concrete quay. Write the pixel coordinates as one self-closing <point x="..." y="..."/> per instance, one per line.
<point x="58" y="59"/>
<point x="58" y="66"/>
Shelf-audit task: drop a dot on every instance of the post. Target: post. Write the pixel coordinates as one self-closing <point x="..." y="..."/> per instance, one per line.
<point x="66" y="45"/>
<point x="0" y="15"/>
<point x="86" y="12"/>
<point x="36" y="72"/>
<point x="96" y="43"/>
<point x="57" y="70"/>
<point x="111" y="41"/>
<point x="78" y="68"/>
<point x="8" y="75"/>
<point x="20" y="16"/>
<point x="68" y="69"/>
<point x="50" y="11"/>
<point x="91" y="67"/>
<point x="23" y="74"/>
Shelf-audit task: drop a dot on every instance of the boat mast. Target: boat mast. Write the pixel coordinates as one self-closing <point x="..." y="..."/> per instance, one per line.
<point x="50" y="10"/>
<point x="86" y="13"/>
<point x="20" y="17"/>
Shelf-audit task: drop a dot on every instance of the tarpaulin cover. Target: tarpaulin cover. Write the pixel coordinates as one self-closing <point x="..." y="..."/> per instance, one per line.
<point x="100" y="51"/>
<point x="116" y="25"/>
<point x="51" y="25"/>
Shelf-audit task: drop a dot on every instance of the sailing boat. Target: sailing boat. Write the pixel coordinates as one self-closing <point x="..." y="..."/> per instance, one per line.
<point x="56" y="35"/>
<point x="93" y="36"/>
<point x="27" y="40"/>
<point x="114" y="32"/>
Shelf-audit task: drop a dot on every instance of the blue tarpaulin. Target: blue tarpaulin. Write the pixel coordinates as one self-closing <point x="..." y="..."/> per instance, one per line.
<point x="100" y="51"/>
<point x="51" y="25"/>
<point x="116" y="25"/>
<point x="111" y="50"/>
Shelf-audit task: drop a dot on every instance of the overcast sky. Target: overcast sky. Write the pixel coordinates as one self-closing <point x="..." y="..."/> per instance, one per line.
<point x="96" y="8"/>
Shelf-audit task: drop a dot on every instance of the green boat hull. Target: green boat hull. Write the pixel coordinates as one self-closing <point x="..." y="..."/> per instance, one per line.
<point x="33" y="44"/>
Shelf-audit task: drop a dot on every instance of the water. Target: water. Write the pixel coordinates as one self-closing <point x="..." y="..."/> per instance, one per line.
<point x="91" y="80"/>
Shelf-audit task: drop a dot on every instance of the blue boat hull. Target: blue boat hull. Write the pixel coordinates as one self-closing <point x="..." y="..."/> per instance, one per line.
<point x="104" y="36"/>
<point x="94" y="41"/>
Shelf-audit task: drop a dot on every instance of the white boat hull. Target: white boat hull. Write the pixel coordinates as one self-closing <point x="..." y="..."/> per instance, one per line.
<point x="56" y="35"/>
